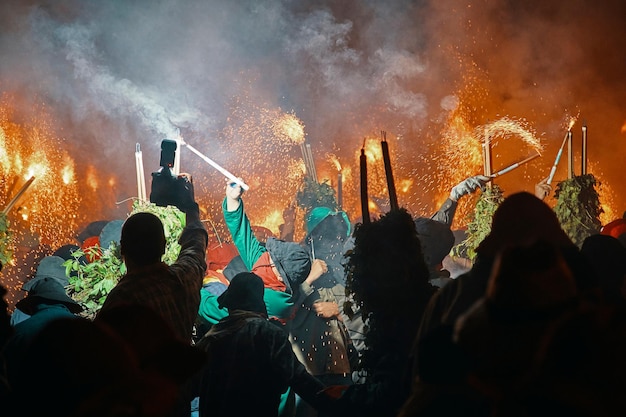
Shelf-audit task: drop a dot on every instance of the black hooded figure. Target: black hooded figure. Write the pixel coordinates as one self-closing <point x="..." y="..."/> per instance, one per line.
<point x="250" y="362"/>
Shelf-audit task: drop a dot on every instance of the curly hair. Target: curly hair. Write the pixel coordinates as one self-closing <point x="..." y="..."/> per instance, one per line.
<point x="387" y="278"/>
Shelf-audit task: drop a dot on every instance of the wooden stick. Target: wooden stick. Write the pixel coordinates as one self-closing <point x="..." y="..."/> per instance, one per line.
<point x="365" y="210"/>
<point x="583" y="162"/>
<point x="391" y="186"/>
<point x="513" y="166"/>
<point x="19" y="194"/>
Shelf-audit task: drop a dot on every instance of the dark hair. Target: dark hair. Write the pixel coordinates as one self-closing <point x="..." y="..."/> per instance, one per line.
<point x="388" y="279"/>
<point x="143" y="239"/>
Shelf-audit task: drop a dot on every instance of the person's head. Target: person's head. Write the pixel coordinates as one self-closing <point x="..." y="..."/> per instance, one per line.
<point x="245" y="292"/>
<point x="291" y="262"/>
<point x="522" y="219"/>
<point x="607" y="258"/>
<point x="437" y="240"/>
<point x="386" y="267"/>
<point x="325" y="222"/>
<point x="49" y="267"/>
<point x="531" y="277"/>
<point x="143" y="239"/>
<point x="46" y="290"/>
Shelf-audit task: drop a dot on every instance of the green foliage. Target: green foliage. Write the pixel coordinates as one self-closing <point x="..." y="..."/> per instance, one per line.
<point x="93" y="281"/>
<point x="480" y="224"/>
<point x="6" y="240"/>
<point x="578" y="207"/>
<point x="314" y="194"/>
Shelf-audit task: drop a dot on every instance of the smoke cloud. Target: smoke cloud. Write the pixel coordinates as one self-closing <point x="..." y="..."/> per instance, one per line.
<point x="117" y="72"/>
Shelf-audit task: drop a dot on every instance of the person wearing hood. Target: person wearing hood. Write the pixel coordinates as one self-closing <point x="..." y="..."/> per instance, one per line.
<point x="50" y="267"/>
<point x="285" y="268"/>
<point x="250" y="362"/>
<point x="46" y="302"/>
<point x="319" y="332"/>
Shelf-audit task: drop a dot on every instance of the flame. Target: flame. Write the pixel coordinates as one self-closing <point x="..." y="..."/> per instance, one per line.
<point x="334" y="160"/>
<point x="92" y="178"/>
<point x="37" y="169"/>
<point x="67" y="174"/>
<point x="296" y="169"/>
<point x="571" y="120"/>
<point x="623" y="129"/>
<point x="373" y="150"/>
<point x="273" y="220"/>
<point x="405" y="185"/>
<point x="290" y="127"/>
<point x="46" y="215"/>
<point x="461" y="151"/>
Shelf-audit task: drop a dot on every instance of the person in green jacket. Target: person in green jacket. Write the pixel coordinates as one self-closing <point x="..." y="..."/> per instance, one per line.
<point x="286" y="269"/>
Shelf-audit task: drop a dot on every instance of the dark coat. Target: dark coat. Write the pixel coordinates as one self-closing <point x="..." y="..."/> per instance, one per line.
<point x="249" y="365"/>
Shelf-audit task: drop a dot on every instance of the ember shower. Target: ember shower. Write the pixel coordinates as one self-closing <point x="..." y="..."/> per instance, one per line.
<point x="226" y="75"/>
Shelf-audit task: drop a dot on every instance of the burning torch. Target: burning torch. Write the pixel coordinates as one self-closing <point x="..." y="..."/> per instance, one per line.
<point x="513" y="166"/>
<point x="215" y="165"/>
<point x="17" y="196"/>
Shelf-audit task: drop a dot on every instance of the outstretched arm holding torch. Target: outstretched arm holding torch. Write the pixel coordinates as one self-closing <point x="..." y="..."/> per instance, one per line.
<point x="215" y="165"/>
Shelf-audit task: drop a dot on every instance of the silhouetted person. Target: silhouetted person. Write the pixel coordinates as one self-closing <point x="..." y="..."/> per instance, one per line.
<point x="607" y="258"/>
<point x="81" y="368"/>
<point x="172" y="291"/>
<point x="46" y="302"/>
<point x="388" y="280"/>
<point x="250" y="360"/>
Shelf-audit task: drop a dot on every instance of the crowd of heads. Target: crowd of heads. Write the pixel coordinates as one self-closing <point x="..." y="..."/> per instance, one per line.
<point x="535" y="327"/>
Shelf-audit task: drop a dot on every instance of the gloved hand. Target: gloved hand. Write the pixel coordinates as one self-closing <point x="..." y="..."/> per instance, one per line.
<point x="468" y="186"/>
<point x="185" y="198"/>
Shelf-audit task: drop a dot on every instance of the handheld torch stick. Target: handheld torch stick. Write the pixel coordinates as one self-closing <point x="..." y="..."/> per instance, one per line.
<point x="556" y="161"/>
<point x="18" y="195"/>
<point x="216" y="166"/>
<point x="513" y="166"/>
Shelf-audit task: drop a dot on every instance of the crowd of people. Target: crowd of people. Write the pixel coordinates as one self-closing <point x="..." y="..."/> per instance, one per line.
<point x="354" y="320"/>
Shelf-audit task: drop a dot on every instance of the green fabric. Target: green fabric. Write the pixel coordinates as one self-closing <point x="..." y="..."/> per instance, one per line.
<point x="278" y="303"/>
<point x="250" y="249"/>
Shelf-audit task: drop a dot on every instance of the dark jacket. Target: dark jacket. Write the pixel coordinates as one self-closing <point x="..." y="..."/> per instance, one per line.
<point x="172" y="291"/>
<point x="250" y="363"/>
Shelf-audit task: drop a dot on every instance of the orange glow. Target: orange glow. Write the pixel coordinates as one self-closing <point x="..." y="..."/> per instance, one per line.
<point x="572" y="121"/>
<point x="290" y="127"/>
<point x="606" y="195"/>
<point x="37" y="170"/>
<point x="334" y="160"/>
<point x="67" y="173"/>
<point x="373" y="150"/>
<point x="623" y="130"/>
<point x="405" y="185"/>
<point x="506" y="128"/>
<point x="273" y="220"/>
<point x="46" y="209"/>
<point x="92" y="178"/>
